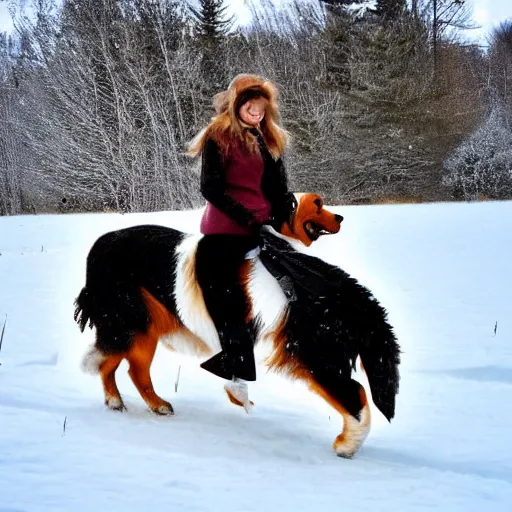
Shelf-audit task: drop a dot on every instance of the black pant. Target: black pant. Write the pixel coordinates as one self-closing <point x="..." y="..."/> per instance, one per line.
<point x="218" y="262"/>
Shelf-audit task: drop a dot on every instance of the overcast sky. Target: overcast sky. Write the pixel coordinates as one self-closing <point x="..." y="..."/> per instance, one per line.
<point x="487" y="13"/>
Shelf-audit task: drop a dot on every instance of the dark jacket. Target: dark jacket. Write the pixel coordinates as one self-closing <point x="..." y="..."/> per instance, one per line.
<point x="243" y="190"/>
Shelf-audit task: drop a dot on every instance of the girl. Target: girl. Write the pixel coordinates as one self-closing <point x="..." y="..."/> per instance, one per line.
<point x="245" y="185"/>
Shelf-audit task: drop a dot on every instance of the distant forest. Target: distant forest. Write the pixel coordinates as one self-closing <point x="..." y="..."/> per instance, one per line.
<point x="388" y="103"/>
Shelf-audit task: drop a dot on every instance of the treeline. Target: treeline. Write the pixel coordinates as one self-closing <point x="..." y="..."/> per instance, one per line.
<point x="99" y="98"/>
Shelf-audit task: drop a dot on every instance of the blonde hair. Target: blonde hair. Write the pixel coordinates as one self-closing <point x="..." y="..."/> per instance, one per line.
<point x="226" y="126"/>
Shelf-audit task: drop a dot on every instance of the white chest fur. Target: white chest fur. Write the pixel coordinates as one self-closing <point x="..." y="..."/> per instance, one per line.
<point x="268" y="301"/>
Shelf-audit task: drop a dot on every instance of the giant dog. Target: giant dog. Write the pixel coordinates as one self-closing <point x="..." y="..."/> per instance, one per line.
<point x="141" y="288"/>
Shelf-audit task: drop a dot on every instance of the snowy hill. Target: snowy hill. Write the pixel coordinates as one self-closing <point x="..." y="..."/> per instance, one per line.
<point x="443" y="272"/>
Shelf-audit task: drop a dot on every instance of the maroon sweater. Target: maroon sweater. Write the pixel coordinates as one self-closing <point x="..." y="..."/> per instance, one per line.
<point x="233" y="188"/>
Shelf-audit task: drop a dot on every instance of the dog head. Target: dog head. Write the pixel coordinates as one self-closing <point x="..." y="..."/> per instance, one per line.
<point x="310" y="220"/>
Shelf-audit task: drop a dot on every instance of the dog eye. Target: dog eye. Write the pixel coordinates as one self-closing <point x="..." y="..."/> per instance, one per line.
<point x="318" y="202"/>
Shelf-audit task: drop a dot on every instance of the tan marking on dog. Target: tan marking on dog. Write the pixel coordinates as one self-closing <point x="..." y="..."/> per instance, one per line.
<point x="280" y="360"/>
<point x="162" y="323"/>
<point x="107" y="370"/>
<point x="245" y="279"/>
<point x="140" y="356"/>
<point x="167" y="328"/>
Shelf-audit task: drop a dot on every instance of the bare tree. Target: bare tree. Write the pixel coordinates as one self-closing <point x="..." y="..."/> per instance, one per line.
<point x="446" y="19"/>
<point x="115" y="118"/>
<point x="500" y="62"/>
<point x="11" y="179"/>
<point x="106" y="94"/>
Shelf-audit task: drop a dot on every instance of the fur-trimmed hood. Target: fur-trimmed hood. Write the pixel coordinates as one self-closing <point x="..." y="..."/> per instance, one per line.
<point x="244" y="85"/>
<point x="226" y="124"/>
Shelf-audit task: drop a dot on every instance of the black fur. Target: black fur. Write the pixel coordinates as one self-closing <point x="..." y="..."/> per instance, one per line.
<point x="118" y="265"/>
<point x="331" y="317"/>
<point x="331" y="320"/>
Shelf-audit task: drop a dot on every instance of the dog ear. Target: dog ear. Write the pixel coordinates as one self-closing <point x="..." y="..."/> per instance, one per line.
<point x="319" y="202"/>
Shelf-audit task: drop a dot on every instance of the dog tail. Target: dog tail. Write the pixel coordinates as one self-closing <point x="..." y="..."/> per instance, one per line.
<point x="380" y="358"/>
<point x="111" y="299"/>
<point x="82" y="309"/>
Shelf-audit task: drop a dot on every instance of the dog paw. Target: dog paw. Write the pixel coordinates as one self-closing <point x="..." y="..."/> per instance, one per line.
<point x="344" y="453"/>
<point x="247" y="404"/>
<point x="347" y="446"/>
<point x="115" y="404"/>
<point x="164" y="410"/>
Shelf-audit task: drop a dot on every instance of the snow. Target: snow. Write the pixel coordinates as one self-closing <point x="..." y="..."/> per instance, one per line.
<point x="444" y="273"/>
<point x="359" y="9"/>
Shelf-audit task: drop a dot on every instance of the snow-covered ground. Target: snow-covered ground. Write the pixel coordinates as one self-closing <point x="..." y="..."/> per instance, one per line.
<point x="444" y="272"/>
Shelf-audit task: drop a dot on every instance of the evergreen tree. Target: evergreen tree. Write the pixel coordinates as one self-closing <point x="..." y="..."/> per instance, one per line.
<point x="211" y="27"/>
<point x="390" y="9"/>
<point x="211" y="21"/>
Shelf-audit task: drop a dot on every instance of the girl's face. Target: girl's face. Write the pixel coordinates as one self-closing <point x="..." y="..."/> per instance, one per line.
<point x="253" y="111"/>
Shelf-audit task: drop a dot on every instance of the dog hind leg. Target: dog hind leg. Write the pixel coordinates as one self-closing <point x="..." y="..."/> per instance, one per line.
<point x="140" y="356"/>
<point x="107" y="371"/>
<point x="356" y="423"/>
